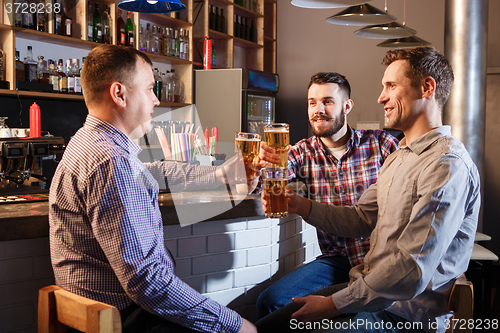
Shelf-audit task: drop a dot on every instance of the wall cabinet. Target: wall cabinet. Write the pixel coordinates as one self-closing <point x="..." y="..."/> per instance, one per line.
<point x="232" y="51"/>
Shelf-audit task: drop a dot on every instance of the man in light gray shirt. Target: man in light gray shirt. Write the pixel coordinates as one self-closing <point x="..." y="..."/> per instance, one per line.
<point x="421" y="214"/>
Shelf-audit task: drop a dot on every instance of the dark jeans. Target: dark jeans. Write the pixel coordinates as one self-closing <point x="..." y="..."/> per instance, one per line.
<point x="311" y="277"/>
<point x="280" y="320"/>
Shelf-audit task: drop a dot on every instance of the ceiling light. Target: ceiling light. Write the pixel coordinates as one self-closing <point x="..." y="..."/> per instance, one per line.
<point x="384" y="31"/>
<point x="152" y="6"/>
<point x="327" y="3"/>
<point x="361" y="15"/>
<point x="412" y="41"/>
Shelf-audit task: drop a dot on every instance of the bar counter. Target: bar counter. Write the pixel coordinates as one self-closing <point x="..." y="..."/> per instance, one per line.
<point x="30" y="220"/>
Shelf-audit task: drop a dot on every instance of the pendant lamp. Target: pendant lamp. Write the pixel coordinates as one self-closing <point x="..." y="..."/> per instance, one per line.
<point x="327" y="3"/>
<point x="384" y="31"/>
<point x="396" y="43"/>
<point x="361" y="15"/>
<point x="152" y="6"/>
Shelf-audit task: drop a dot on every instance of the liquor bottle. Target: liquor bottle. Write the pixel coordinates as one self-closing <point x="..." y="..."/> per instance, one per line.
<point x="169" y="90"/>
<point x="70" y="79"/>
<point x="58" y="23"/>
<point x="67" y="24"/>
<point x="186" y="45"/>
<point x="75" y="71"/>
<point x="2" y="65"/>
<point x="63" y="79"/>
<point x="158" y="84"/>
<point x="19" y="68"/>
<point x="256" y="6"/>
<point x="236" y="32"/>
<point x="41" y="17"/>
<point x="27" y="17"/>
<point x="106" y="33"/>
<point x="41" y="71"/>
<point x="97" y="24"/>
<point x="156" y="40"/>
<point x="253" y="33"/>
<point x="129" y="31"/>
<point x="120" y="29"/>
<point x="217" y="19"/>
<point x="150" y="43"/>
<point x="211" y="18"/>
<point x="223" y="23"/>
<point x="178" y="87"/>
<point x="30" y="66"/>
<point x="165" y="41"/>
<point x="177" y="44"/>
<point x="214" y="56"/>
<point x="181" y="43"/>
<point x="18" y="18"/>
<point x="241" y="32"/>
<point x="171" y="43"/>
<point x="53" y="77"/>
<point x="161" y="40"/>
<point x="90" y="22"/>
<point x="142" y="39"/>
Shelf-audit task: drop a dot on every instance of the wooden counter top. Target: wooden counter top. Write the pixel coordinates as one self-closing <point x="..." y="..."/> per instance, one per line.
<point x="30" y="220"/>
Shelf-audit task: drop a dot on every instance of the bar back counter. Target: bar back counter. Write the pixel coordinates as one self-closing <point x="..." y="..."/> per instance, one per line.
<point x="231" y="257"/>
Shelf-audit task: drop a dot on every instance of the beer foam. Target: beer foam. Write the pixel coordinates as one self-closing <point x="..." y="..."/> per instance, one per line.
<point x="243" y="139"/>
<point x="276" y="130"/>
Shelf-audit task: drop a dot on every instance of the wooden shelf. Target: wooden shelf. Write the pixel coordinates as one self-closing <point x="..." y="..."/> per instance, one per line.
<point x="36" y="94"/>
<point x="246" y="43"/>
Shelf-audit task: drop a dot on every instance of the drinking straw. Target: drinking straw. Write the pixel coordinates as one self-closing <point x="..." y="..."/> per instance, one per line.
<point x="167" y="154"/>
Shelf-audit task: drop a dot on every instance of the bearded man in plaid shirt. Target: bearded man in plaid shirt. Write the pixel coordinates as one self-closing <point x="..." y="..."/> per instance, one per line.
<point x="336" y="165"/>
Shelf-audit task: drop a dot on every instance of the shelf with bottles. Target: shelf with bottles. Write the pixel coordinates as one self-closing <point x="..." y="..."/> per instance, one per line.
<point x="37" y="94"/>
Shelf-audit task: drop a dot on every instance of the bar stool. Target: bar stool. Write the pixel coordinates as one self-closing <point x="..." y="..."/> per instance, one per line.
<point x="480" y="273"/>
<point x="58" y="307"/>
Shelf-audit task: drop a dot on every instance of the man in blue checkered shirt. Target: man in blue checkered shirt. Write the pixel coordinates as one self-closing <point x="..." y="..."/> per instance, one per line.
<point x="336" y="165"/>
<point x="106" y="230"/>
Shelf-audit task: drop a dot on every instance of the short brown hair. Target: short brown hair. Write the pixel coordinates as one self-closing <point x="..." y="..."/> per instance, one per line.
<point x="332" y="77"/>
<point x="424" y="62"/>
<point x="106" y="64"/>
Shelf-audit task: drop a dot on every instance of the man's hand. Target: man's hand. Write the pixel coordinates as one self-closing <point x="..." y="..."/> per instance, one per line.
<point x="267" y="155"/>
<point x="247" y="327"/>
<point x="296" y="204"/>
<point x="315" y="308"/>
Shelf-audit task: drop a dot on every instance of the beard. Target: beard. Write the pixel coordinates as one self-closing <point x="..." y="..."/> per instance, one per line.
<point x="336" y="125"/>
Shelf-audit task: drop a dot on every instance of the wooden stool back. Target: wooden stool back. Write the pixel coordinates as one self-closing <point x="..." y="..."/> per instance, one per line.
<point x="461" y="302"/>
<point x="58" y="307"/>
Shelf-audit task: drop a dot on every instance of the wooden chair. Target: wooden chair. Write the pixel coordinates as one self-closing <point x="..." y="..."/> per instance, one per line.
<point x="461" y="302"/>
<point x="58" y="307"/>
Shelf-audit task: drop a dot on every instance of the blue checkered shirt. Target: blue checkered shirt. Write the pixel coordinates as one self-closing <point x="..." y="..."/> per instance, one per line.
<point x="106" y="230"/>
<point x="341" y="182"/>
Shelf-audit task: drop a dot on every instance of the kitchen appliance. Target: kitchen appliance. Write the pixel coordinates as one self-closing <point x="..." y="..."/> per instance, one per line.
<point x="21" y="165"/>
<point x="235" y="100"/>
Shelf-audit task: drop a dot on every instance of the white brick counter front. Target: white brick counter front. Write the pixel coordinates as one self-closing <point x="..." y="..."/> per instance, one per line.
<point x="230" y="261"/>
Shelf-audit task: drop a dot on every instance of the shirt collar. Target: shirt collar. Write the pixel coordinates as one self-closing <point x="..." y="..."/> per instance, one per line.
<point x="422" y="143"/>
<point x="113" y="133"/>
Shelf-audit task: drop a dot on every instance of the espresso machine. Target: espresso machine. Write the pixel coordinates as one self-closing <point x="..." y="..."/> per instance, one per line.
<point x="21" y="159"/>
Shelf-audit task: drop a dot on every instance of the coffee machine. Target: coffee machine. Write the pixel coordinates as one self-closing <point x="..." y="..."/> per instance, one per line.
<point x="21" y="171"/>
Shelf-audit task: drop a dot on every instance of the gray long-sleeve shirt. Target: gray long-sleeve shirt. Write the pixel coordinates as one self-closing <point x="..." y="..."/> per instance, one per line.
<point x="422" y="215"/>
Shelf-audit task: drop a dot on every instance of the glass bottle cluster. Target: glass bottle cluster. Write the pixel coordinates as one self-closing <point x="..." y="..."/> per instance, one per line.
<point x="165" y="41"/>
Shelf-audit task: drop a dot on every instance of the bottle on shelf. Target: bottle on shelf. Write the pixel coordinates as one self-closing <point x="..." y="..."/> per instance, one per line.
<point x="217" y="20"/>
<point x="97" y="24"/>
<point x="2" y="65"/>
<point x="186" y="44"/>
<point x="171" y="43"/>
<point x="156" y="41"/>
<point x="214" y="56"/>
<point x="30" y="66"/>
<point x="256" y="6"/>
<point x="158" y="84"/>
<point x="169" y="87"/>
<point x="63" y="79"/>
<point x="236" y="28"/>
<point x="90" y="22"/>
<point x="75" y="71"/>
<point x="53" y="77"/>
<point x="142" y="39"/>
<point x="18" y="16"/>
<point x="211" y="18"/>
<point x="19" y="67"/>
<point x="165" y="41"/>
<point x="150" y="43"/>
<point x="223" y="24"/>
<point x="129" y="31"/>
<point x="106" y="27"/>
<point x="41" y="17"/>
<point x="181" y="43"/>
<point x="41" y="71"/>
<point x="67" y="24"/>
<point x="120" y="29"/>
<point x="70" y="79"/>
<point x="177" y="44"/>
<point x="178" y="87"/>
<point x="27" y="16"/>
<point x="253" y="33"/>
<point x="58" y="22"/>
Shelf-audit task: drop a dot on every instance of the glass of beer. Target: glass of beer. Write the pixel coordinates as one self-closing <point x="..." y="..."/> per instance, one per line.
<point x="274" y="181"/>
<point x="247" y="145"/>
<point x="277" y="136"/>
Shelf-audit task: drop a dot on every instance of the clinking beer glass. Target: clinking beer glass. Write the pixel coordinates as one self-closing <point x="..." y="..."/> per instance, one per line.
<point x="277" y="136"/>
<point x="247" y="145"/>
<point x="275" y="180"/>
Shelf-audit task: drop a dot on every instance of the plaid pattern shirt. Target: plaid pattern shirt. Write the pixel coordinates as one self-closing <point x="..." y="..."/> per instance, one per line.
<point x="106" y="230"/>
<point x="341" y="182"/>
